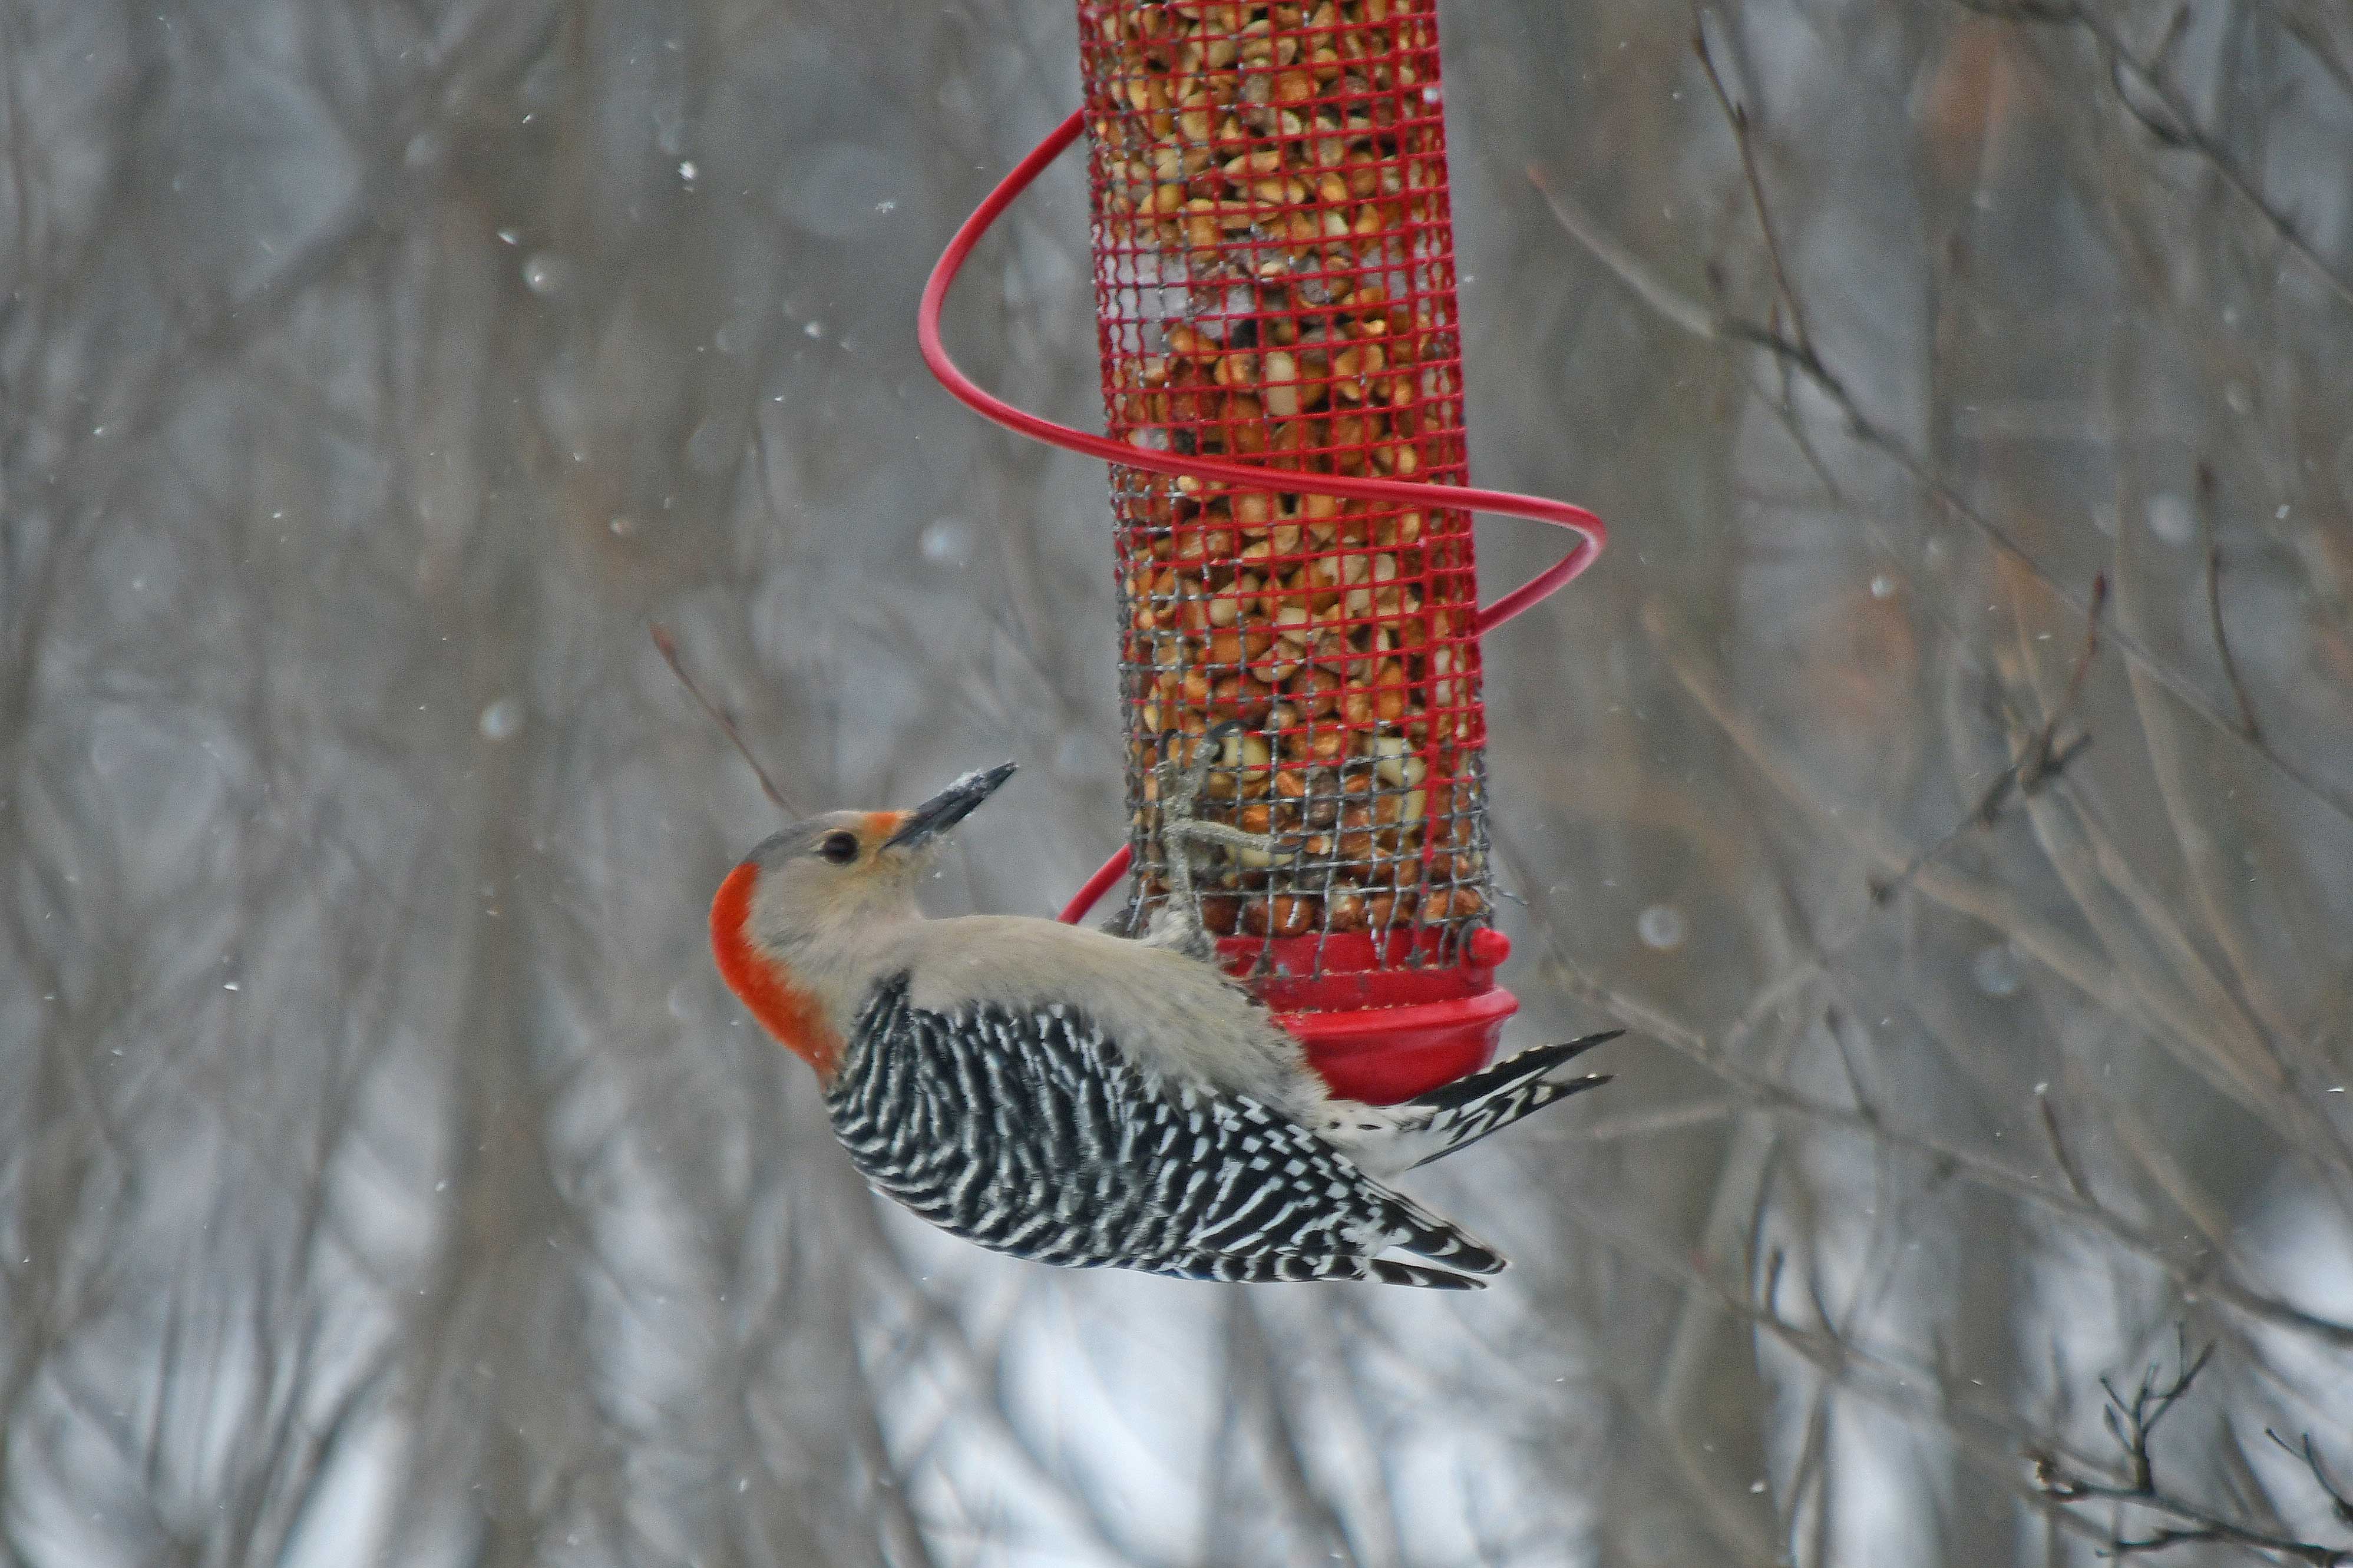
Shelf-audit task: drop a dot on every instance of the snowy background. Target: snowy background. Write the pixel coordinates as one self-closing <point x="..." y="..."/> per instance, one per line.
<point x="386" y="1177"/>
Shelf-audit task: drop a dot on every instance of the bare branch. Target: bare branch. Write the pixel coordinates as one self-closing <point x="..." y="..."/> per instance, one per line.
<point x="1735" y="115"/>
<point x="1859" y="424"/>
<point x="2180" y="128"/>
<point x="2041" y="762"/>
<point x="721" y="717"/>
<point x="2133" y="1421"/>
<point x="2206" y="488"/>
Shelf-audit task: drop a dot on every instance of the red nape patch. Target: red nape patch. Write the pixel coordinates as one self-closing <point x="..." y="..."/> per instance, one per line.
<point x="761" y="984"/>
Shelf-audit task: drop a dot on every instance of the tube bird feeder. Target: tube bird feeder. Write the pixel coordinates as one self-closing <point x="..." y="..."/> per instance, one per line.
<point x="1274" y="282"/>
<point x="1283" y="382"/>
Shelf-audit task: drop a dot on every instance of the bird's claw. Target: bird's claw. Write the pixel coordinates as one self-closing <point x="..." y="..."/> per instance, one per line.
<point x="1177" y="922"/>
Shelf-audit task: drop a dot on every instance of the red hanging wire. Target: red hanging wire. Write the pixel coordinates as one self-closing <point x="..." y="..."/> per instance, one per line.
<point x="1591" y="531"/>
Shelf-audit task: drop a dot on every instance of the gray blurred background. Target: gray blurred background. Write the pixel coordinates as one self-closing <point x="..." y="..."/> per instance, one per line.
<point x="386" y="1176"/>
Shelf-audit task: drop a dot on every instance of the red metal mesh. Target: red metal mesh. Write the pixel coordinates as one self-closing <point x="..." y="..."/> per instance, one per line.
<point x="1274" y="282"/>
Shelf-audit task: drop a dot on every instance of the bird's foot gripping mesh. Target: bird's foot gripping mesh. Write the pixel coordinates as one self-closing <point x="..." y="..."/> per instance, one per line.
<point x="1181" y="788"/>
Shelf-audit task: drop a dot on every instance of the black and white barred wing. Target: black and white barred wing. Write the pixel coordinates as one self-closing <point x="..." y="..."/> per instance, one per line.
<point x="1030" y="1134"/>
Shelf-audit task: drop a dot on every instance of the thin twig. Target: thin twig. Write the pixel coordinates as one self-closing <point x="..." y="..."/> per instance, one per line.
<point x="1862" y="428"/>
<point x="2180" y="130"/>
<point x="2133" y="1423"/>
<point x="1639" y="276"/>
<point x="1766" y="1093"/>
<point x="2340" y="1502"/>
<point x="2206" y="488"/>
<point x="2317" y="46"/>
<point x="1736" y="114"/>
<point x="2059" y="1154"/>
<point x="1981" y="1433"/>
<point x="2042" y="762"/>
<point x="721" y="717"/>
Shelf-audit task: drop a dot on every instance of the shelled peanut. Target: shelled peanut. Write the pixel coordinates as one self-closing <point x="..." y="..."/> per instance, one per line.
<point x="1297" y="127"/>
<point x="1330" y="379"/>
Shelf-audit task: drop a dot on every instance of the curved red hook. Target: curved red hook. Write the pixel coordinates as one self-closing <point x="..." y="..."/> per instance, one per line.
<point x="1592" y="534"/>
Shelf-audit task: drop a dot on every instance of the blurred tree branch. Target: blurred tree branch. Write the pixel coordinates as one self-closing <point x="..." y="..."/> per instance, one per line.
<point x="2178" y="125"/>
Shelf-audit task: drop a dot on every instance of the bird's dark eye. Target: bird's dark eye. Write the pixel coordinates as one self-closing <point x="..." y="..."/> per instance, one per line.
<point x="840" y="848"/>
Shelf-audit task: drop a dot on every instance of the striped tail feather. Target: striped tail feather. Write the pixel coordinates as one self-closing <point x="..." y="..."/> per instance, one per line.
<point x="1463" y="1112"/>
<point x="1388" y="1273"/>
<point x="1402" y="1225"/>
<point x="1413" y="1229"/>
<point x="1270" y="1268"/>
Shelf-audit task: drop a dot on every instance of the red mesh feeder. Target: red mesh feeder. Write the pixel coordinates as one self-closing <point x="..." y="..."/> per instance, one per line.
<point x="1282" y="371"/>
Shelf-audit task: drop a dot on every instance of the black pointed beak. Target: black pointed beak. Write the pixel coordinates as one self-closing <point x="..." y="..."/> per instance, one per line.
<point x="948" y="807"/>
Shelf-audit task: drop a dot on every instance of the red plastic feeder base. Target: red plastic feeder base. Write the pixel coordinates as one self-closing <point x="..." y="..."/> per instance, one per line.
<point x="1377" y="1031"/>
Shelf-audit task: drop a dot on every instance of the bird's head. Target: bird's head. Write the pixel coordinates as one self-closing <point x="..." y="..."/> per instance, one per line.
<point x="787" y="924"/>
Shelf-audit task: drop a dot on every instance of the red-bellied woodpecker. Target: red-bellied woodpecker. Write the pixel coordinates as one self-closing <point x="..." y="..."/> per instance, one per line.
<point x="1079" y="1098"/>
